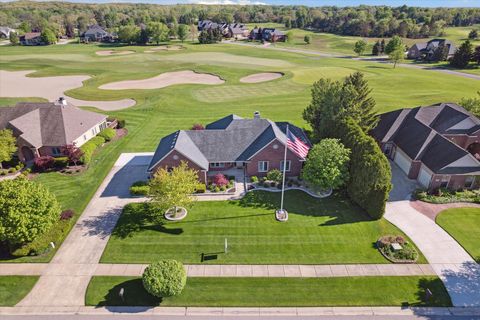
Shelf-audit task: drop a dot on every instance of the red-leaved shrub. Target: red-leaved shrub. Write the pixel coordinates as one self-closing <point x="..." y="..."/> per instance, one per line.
<point x="44" y="163"/>
<point x="220" y="180"/>
<point x="198" y="126"/>
<point x="67" y="214"/>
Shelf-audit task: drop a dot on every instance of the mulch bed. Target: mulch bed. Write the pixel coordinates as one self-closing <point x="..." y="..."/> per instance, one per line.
<point x="431" y="210"/>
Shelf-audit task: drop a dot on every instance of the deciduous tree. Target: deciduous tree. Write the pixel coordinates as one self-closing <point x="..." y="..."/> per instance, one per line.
<point x="8" y="145"/>
<point x="307" y="39"/>
<point x="48" y="36"/>
<point x="73" y="153"/>
<point x="13" y="38"/>
<point x="182" y="32"/>
<point x="157" y="31"/>
<point x="360" y="47"/>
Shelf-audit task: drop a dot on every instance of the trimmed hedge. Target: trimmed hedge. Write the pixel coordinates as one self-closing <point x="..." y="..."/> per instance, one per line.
<point x="108" y="134"/>
<point x="89" y="148"/>
<point x="140" y="188"/>
<point x="164" y="278"/>
<point x="370" y="173"/>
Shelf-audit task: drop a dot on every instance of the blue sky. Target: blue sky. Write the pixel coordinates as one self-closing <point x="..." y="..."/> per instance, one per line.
<point x="424" y="3"/>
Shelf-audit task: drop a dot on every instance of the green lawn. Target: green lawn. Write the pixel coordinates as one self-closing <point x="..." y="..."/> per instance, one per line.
<point x="322" y="231"/>
<point x="14" y="288"/>
<point x="275" y="292"/>
<point x="160" y="112"/>
<point x="464" y="225"/>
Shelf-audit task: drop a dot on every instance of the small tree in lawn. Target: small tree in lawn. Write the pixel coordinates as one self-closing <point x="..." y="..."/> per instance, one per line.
<point x="182" y="32"/>
<point x="7" y="145"/>
<point x="327" y="164"/>
<point x="360" y="47"/>
<point x="307" y="39"/>
<point x="473" y="34"/>
<point x="397" y="56"/>
<point x="73" y="153"/>
<point x="172" y="189"/>
<point x="27" y="210"/>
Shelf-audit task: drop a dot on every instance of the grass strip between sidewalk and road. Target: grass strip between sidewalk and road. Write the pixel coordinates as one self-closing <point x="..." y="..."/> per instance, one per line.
<point x="274" y="292"/>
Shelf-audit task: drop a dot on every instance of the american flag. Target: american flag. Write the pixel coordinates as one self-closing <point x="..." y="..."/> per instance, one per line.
<point x="297" y="145"/>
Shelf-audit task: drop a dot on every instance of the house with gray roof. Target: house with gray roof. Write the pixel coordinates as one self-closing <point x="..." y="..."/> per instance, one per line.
<point x="96" y="33"/>
<point x="228" y="30"/>
<point x="43" y="129"/>
<point x="427" y="50"/>
<point x="438" y="145"/>
<point x="251" y="147"/>
<point x="268" y="34"/>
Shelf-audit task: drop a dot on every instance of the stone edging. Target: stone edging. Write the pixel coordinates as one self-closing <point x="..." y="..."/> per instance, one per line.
<point x="293" y="188"/>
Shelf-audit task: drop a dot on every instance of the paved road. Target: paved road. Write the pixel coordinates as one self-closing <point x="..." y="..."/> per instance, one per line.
<point x="333" y="55"/>
<point x="64" y="281"/>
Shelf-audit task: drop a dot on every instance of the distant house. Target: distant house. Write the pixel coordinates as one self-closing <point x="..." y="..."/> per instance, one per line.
<point x="231" y="145"/>
<point x="439" y="145"/>
<point x="31" y="39"/>
<point x="268" y="34"/>
<point x="96" y="33"/>
<point x="5" y="32"/>
<point x="232" y="30"/>
<point x="43" y="129"/>
<point x="426" y="50"/>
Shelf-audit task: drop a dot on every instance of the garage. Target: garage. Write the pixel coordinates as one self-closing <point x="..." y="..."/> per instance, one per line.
<point x="424" y="177"/>
<point x="402" y="161"/>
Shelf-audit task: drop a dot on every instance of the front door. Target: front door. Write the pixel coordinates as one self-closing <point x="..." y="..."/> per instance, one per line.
<point x="27" y="154"/>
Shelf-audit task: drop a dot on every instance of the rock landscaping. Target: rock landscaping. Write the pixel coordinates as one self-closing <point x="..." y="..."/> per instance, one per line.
<point x="397" y="250"/>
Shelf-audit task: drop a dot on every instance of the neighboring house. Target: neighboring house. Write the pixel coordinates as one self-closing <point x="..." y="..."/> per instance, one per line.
<point x="96" y="33"/>
<point x="31" y="39"/>
<point x="426" y="50"/>
<point x="233" y="30"/>
<point x="245" y="147"/>
<point x="5" y="32"/>
<point x="43" y="129"/>
<point x="439" y="145"/>
<point x="268" y="34"/>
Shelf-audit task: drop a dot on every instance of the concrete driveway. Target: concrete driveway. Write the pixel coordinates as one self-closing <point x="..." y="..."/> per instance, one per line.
<point x="403" y="187"/>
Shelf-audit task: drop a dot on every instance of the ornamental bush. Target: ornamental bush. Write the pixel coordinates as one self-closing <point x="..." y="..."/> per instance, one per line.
<point x="220" y="180"/>
<point x="27" y="210"/>
<point x="275" y="175"/>
<point x="89" y="148"/>
<point x="164" y="278"/>
<point x="44" y="163"/>
<point x="140" y="188"/>
<point x="108" y="134"/>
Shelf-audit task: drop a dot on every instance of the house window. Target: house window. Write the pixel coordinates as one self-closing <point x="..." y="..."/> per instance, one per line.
<point x="217" y="165"/>
<point x="445" y="181"/>
<point x="103" y="126"/>
<point x="85" y="137"/>
<point x="287" y="169"/>
<point x="262" y="166"/>
<point x="469" y="181"/>
<point x="94" y="131"/>
<point x="56" y="151"/>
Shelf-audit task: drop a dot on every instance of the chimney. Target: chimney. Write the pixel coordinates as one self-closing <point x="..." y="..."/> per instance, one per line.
<point x="62" y="101"/>
<point x="256" y="115"/>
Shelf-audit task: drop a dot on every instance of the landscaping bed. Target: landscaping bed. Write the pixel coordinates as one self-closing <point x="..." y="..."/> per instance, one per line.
<point x="448" y="196"/>
<point x="319" y="231"/>
<point x="397" y="250"/>
<point x="14" y="288"/>
<point x="275" y="292"/>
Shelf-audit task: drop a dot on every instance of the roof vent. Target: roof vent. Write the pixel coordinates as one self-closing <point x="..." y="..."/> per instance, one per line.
<point x="62" y="101"/>
<point x="256" y="115"/>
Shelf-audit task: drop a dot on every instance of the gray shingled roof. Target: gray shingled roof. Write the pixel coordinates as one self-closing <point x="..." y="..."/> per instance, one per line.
<point x="420" y="134"/>
<point x="48" y="124"/>
<point x="228" y="139"/>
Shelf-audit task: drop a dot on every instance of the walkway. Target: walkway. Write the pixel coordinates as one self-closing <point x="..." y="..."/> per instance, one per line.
<point x="458" y="271"/>
<point x="334" y="55"/>
<point x="65" y="279"/>
<point x="195" y="270"/>
<point x="432" y="210"/>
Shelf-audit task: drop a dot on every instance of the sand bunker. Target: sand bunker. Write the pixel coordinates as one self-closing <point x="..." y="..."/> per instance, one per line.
<point x="167" y="48"/>
<point x="261" y="77"/>
<point x="164" y="80"/>
<point x="17" y="84"/>
<point x="113" y="53"/>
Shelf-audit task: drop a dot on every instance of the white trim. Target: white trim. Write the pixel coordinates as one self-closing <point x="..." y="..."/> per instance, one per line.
<point x="263" y="161"/>
<point x="150" y="168"/>
<point x="253" y="155"/>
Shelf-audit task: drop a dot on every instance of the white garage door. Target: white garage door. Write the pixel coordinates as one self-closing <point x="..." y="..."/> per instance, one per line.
<point x="424" y="177"/>
<point x="402" y="161"/>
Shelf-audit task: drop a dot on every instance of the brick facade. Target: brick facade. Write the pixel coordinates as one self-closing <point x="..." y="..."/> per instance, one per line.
<point x="174" y="158"/>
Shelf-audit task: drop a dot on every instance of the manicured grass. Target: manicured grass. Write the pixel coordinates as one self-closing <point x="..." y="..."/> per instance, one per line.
<point x="464" y="225"/>
<point x="325" y="231"/>
<point x="275" y="292"/>
<point x="160" y="112"/>
<point x="15" y="288"/>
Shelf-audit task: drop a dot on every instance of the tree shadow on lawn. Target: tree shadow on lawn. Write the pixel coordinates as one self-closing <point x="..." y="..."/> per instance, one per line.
<point x="439" y="297"/>
<point x="134" y="295"/>
<point x="337" y="207"/>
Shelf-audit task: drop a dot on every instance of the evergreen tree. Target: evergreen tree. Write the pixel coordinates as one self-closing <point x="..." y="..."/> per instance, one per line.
<point x="462" y="56"/>
<point x="382" y="46"/>
<point x="376" y="48"/>
<point x="440" y="53"/>
<point x="476" y="55"/>
<point x="473" y="34"/>
<point x="364" y="111"/>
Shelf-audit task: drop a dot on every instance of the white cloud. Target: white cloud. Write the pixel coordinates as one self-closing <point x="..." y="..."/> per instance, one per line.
<point x="224" y="2"/>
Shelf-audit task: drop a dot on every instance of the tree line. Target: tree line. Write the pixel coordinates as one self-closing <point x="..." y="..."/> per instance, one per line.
<point x="367" y="21"/>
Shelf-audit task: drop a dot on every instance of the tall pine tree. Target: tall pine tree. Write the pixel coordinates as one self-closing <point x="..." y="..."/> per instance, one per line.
<point x="462" y="56"/>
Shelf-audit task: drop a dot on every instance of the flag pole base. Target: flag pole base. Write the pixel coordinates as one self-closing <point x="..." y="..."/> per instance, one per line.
<point x="281" y="215"/>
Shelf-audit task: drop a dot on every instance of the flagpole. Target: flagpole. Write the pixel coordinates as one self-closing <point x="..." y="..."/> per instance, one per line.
<point x="284" y="170"/>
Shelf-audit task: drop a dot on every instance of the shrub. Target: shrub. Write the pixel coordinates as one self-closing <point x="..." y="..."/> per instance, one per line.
<point x="275" y="175"/>
<point x="201" y="188"/>
<point x="220" y="180"/>
<point x="89" y="148"/>
<point x="12" y="170"/>
<point x="266" y="184"/>
<point x="121" y="123"/>
<point x="223" y="188"/>
<point x="3" y="172"/>
<point x="198" y="126"/>
<point x="108" y="134"/>
<point x="44" y="163"/>
<point x="217" y="189"/>
<point x="254" y="179"/>
<point x="164" y="278"/>
<point x="273" y="184"/>
<point x="60" y="162"/>
<point x="72" y="153"/>
<point x="140" y="188"/>
<point x="67" y="214"/>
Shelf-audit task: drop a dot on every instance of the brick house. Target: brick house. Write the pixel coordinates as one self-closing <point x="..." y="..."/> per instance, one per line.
<point x="438" y="145"/>
<point x="249" y="147"/>
<point x="268" y="34"/>
<point x="426" y="50"/>
<point x="42" y="129"/>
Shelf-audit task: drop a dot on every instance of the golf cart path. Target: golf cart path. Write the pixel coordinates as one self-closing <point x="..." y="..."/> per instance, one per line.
<point x="375" y="59"/>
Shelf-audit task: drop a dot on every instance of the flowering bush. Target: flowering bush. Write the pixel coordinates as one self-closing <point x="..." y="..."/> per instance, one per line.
<point x="220" y="180"/>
